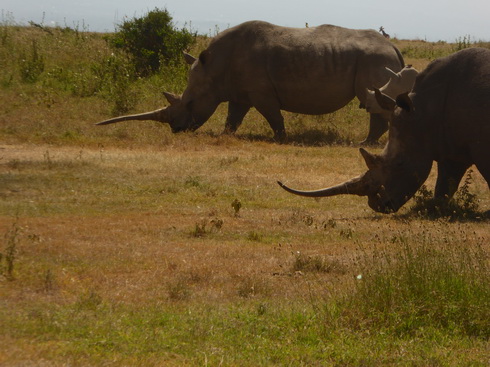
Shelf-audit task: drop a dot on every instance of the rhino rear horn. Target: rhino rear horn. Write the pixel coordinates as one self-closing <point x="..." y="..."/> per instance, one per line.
<point x="171" y="98"/>
<point x="370" y="159"/>
<point x="189" y="59"/>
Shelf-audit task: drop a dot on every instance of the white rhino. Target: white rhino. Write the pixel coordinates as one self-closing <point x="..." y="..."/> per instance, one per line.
<point x="445" y="119"/>
<point x="314" y="70"/>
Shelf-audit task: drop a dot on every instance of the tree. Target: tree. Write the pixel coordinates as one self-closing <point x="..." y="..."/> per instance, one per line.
<point x="152" y="40"/>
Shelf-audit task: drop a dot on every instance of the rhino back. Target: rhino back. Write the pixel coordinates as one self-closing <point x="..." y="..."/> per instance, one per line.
<point x="452" y="100"/>
<point x="310" y="70"/>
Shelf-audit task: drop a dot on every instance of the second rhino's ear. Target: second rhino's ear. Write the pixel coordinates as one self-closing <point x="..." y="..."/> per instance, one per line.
<point x="385" y="102"/>
<point x="204" y="57"/>
<point x="405" y="102"/>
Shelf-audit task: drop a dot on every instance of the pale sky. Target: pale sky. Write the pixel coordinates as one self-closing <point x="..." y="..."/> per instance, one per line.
<point x="430" y="20"/>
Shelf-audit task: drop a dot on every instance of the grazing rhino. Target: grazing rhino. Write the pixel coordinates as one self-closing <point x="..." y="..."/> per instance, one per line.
<point x="313" y="70"/>
<point x="399" y="83"/>
<point x="446" y="119"/>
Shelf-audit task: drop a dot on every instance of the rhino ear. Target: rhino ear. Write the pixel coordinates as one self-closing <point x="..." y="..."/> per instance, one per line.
<point x="171" y="98"/>
<point x="189" y="59"/>
<point x="204" y="57"/>
<point x="405" y="102"/>
<point x="386" y="102"/>
<point x="370" y="159"/>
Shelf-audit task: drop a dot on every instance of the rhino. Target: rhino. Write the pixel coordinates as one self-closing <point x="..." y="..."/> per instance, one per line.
<point x="399" y="83"/>
<point x="314" y="70"/>
<point x="446" y="118"/>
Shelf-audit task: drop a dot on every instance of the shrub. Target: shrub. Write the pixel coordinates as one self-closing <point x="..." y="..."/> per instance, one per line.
<point x="31" y="65"/>
<point x="152" y="40"/>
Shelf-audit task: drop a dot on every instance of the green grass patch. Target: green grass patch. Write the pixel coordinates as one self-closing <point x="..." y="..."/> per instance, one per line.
<point x="424" y="284"/>
<point x="255" y="334"/>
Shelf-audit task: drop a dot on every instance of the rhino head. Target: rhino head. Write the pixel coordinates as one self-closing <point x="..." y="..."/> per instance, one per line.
<point x="397" y="173"/>
<point x="186" y="112"/>
<point x="399" y="83"/>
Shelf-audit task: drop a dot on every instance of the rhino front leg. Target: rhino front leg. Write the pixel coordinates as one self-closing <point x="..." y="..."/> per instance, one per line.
<point x="449" y="175"/>
<point x="236" y="113"/>
<point x="377" y="127"/>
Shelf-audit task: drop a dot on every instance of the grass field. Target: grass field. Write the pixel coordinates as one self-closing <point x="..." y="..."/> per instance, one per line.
<point x="128" y="245"/>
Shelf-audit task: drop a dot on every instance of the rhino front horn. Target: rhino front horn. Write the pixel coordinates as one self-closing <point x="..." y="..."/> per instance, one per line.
<point x="157" y="115"/>
<point x="355" y="186"/>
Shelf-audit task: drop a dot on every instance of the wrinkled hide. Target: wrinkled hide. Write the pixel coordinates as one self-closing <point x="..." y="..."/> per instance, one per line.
<point x="445" y="119"/>
<point x="315" y="70"/>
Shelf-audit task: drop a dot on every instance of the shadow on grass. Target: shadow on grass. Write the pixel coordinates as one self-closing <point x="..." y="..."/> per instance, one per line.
<point x="462" y="207"/>
<point x="311" y="137"/>
<point x="452" y="210"/>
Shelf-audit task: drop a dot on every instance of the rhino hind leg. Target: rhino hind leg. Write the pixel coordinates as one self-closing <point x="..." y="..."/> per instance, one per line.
<point x="236" y="113"/>
<point x="449" y="175"/>
<point x="481" y="155"/>
<point x="276" y="122"/>
<point x="377" y="127"/>
<point x="273" y="115"/>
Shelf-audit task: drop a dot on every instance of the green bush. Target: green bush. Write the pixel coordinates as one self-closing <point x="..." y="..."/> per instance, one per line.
<point x="31" y="65"/>
<point x="152" y="41"/>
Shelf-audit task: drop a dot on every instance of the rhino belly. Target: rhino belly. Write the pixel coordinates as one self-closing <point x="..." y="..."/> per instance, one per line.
<point x="316" y="102"/>
<point x="315" y="91"/>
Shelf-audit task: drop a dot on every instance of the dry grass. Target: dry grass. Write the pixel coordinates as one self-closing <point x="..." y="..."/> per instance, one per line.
<point x="128" y="218"/>
<point x="117" y="227"/>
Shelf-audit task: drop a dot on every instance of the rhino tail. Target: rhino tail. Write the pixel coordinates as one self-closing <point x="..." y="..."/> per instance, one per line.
<point x="400" y="57"/>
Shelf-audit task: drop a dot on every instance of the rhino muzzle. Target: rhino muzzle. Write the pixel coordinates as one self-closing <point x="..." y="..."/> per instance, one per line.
<point x="385" y="207"/>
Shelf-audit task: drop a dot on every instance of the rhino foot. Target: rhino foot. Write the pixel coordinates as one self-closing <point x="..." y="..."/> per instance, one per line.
<point x="280" y="137"/>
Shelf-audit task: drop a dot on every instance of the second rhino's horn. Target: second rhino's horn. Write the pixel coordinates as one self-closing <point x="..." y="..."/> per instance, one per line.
<point x="356" y="186"/>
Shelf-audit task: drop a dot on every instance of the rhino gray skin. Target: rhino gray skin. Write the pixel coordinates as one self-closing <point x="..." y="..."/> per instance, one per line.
<point x="314" y="70"/>
<point x="446" y="119"/>
<point x="399" y="83"/>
